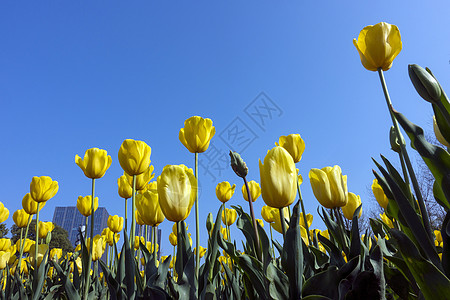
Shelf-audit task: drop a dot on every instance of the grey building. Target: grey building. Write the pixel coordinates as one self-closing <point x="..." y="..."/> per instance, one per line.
<point x="71" y="219"/>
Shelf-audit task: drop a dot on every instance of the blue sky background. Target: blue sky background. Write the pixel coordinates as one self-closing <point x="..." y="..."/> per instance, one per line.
<point x="77" y="74"/>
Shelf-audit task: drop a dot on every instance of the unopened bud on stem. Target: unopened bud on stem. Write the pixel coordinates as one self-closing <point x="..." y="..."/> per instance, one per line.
<point x="238" y="165"/>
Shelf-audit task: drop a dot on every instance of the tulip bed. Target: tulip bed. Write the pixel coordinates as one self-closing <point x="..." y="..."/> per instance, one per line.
<point x="402" y="258"/>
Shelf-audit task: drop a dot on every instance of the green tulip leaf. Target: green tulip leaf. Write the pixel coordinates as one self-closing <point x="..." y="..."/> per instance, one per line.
<point x="324" y="283"/>
<point x="445" y="233"/>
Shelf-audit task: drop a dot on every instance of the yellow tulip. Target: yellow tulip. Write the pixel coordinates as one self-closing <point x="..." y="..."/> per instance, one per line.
<point x="55" y="254"/>
<point x="278" y="178"/>
<point x="438" y="242"/>
<point x="173" y="239"/>
<point x="134" y="156"/>
<point x="329" y="186"/>
<point x="42" y="249"/>
<point x="99" y="246"/>
<point x="224" y="232"/>
<point x="300" y="179"/>
<point x="138" y="217"/>
<point x="95" y="163"/>
<point x="29" y="205"/>
<point x="309" y="219"/>
<point x="438" y="134"/>
<point x="304" y="235"/>
<point x="224" y="191"/>
<point x="148" y="208"/>
<point x="45" y="228"/>
<point x="20" y="218"/>
<point x="151" y="248"/>
<point x="229" y="216"/>
<point x="4" y="258"/>
<point x="266" y="213"/>
<point x="349" y="209"/>
<point x="379" y="194"/>
<point x="5" y="244"/>
<point x="110" y="236"/>
<point x="4" y="213"/>
<point x="196" y="134"/>
<point x="369" y="240"/>
<point x="378" y="45"/>
<point x="260" y="222"/>
<point x="294" y="144"/>
<point x="277" y="220"/>
<point x="142" y="179"/>
<point x="43" y="188"/>
<point x="255" y="190"/>
<point x="125" y="189"/>
<point x="27" y="243"/>
<point x="137" y="241"/>
<point x="115" y="223"/>
<point x="84" y="205"/>
<point x="23" y="267"/>
<point x="177" y="189"/>
<point x="386" y="220"/>
<point x="201" y="252"/>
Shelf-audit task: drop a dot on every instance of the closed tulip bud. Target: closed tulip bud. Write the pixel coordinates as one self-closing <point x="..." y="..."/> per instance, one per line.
<point x="386" y="220"/>
<point x="5" y="244"/>
<point x="42" y="249"/>
<point x="196" y="134"/>
<point x="277" y="220"/>
<point x="125" y="189"/>
<point x="278" y="178"/>
<point x="379" y="194"/>
<point x="209" y="222"/>
<point x="309" y="219"/>
<point x="55" y="254"/>
<point x="4" y="258"/>
<point x="294" y="144"/>
<point x="173" y="239"/>
<point x="224" y="191"/>
<point x="4" y="213"/>
<point x="84" y="205"/>
<point x="99" y="246"/>
<point x="349" y="209"/>
<point x="425" y="84"/>
<point x="238" y="164"/>
<point x="134" y="156"/>
<point x="29" y="205"/>
<point x="177" y="189"/>
<point x="95" y="163"/>
<point x="20" y="218"/>
<point x="329" y="186"/>
<point x="43" y="188"/>
<point x="142" y="179"/>
<point x="378" y="45"/>
<point x="45" y="228"/>
<point x="147" y="205"/>
<point x="438" y="134"/>
<point x="267" y="214"/>
<point x="229" y="216"/>
<point x="393" y="139"/>
<point x="115" y="223"/>
<point x="255" y="190"/>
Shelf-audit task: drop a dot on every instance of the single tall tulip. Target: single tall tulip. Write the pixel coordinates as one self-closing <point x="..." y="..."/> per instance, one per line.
<point x="379" y="194"/>
<point x="43" y="188"/>
<point x="229" y="216"/>
<point x="177" y="189"/>
<point x="99" y="245"/>
<point x="20" y="218"/>
<point x="147" y="205"/>
<point x="115" y="223"/>
<point x="196" y="134"/>
<point x="278" y="178"/>
<point x="294" y="144"/>
<point x="29" y="205"/>
<point x="329" y="186"/>
<point x="255" y="190"/>
<point x="95" y="163"/>
<point x="134" y="156"/>
<point x="125" y="188"/>
<point x="173" y="239"/>
<point x="224" y="191"/>
<point x="378" y="45"/>
<point x="349" y="209"/>
<point x="84" y="205"/>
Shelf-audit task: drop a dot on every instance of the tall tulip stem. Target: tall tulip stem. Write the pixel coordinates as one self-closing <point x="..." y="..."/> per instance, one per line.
<point x="22" y="244"/>
<point x="283" y="222"/>
<point x="133" y="209"/>
<point x="91" y="243"/>
<point x="252" y="213"/>
<point x="271" y="240"/>
<point x="304" y="212"/>
<point x="226" y="222"/>
<point x="197" y="226"/>
<point x="423" y="211"/>
<point x="37" y="240"/>
<point x="126" y="214"/>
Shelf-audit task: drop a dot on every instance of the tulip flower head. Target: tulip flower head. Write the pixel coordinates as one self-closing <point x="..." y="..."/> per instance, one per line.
<point x="329" y="186"/>
<point x="224" y="191"/>
<point x="196" y="134"/>
<point x="277" y="220"/>
<point x="349" y="209"/>
<point x="99" y="246"/>
<point x="134" y="156"/>
<point x="115" y="223"/>
<point x="45" y="228"/>
<point x="20" y="218"/>
<point x="125" y="188"/>
<point x="177" y="189"/>
<point x="229" y="216"/>
<point x="294" y="144"/>
<point x="95" y="163"/>
<point x="267" y="214"/>
<point x="255" y="190"/>
<point x="43" y="188"/>
<point x="386" y="220"/>
<point x="4" y="213"/>
<point x="309" y="219"/>
<point x="142" y="179"/>
<point x="84" y="205"/>
<point x="378" y="45"/>
<point x="379" y="194"/>
<point x="55" y="254"/>
<point x="5" y="244"/>
<point x="278" y="178"/>
<point x="148" y="208"/>
<point x="42" y="249"/>
<point x="173" y="239"/>
<point x="29" y="205"/>
<point x="4" y="258"/>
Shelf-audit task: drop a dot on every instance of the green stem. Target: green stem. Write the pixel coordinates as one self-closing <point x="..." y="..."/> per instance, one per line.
<point x="283" y="222"/>
<point x="304" y="212"/>
<point x="226" y="222"/>
<point x="133" y="209"/>
<point x="91" y="243"/>
<point x="197" y="227"/>
<point x="126" y="214"/>
<point x="22" y="244"/>
<point x="423" y="211"/>
<point x="37" y="240"/>
<point x="271" y="240"/>
<point x="173" y="265"/>
<point x="341" y="229"/>
<point x="252" y="213"/>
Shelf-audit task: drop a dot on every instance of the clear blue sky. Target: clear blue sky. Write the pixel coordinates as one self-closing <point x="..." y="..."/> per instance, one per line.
<point x="81" y="74"/>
